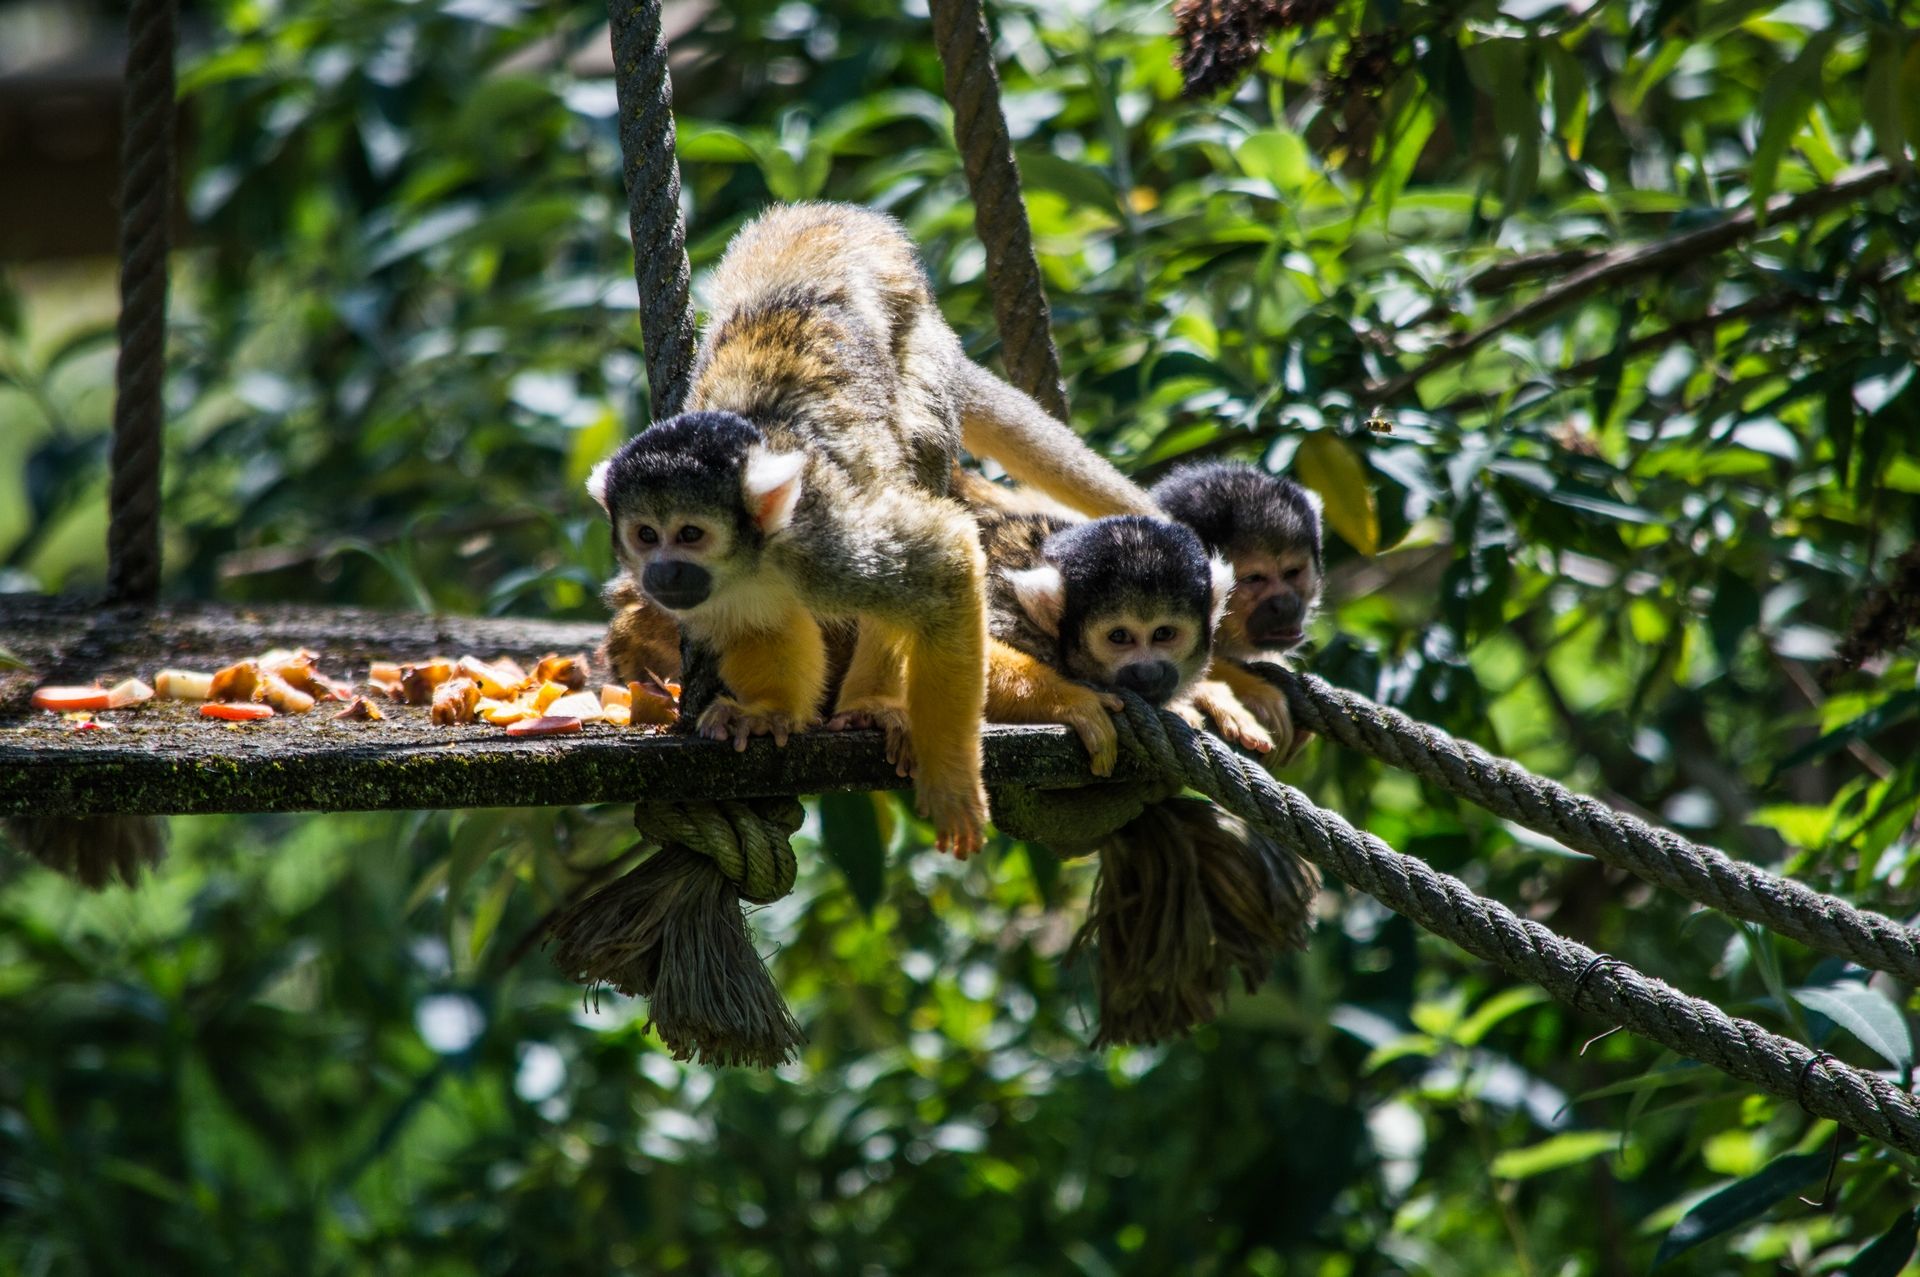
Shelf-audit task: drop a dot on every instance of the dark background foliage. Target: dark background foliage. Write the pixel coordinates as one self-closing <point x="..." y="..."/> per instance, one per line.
<point x="1617" y="543"/>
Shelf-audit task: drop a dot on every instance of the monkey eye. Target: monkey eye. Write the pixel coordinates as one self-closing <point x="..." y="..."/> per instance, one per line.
<point x="1119" y="638"/>
<point x="646" y="535"/>
<point x="1164" y="634"/>
<point x="1291" y="574"/>
<point x="689" y="535"/>
<point x="1254" y="578"/>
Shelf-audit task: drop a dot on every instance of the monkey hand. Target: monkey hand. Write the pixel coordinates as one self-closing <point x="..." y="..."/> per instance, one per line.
<point x="889" y="717"/>
<point x="1234" y="721"/>
<point x="1090" y="715"/>
<point x="727" y="718"/>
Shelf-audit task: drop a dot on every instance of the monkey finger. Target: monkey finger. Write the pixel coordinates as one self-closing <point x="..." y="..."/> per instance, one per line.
<point x="1113" y="704"/>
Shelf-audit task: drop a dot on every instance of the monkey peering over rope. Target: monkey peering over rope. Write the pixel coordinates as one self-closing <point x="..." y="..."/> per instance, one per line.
<point x="671" y="930"/>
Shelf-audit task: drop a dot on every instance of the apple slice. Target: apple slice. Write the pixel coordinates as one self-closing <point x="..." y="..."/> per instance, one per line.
<point x="236" y="711"/>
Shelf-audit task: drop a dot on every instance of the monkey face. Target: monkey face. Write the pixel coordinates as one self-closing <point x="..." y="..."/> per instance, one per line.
<point x="1156" y="654"/>
<point x="1273" y="595"/>
<point x="693" y="502"/>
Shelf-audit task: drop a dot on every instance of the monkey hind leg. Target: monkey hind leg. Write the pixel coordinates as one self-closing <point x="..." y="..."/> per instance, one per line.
<point x="873" y="694"/>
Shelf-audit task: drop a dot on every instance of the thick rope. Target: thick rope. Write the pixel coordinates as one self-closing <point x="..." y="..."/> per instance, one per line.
<point x="146" y="216"/>
<point x="1656" y="855"/>
<point x="999" y="212"/>
<point x="652" y="174"/>
<point x="1860" y="1100"/>
<point x="747" y="841"/>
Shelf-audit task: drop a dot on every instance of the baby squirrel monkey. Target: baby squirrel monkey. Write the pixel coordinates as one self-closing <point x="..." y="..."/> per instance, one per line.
<point x="1268" y="527"/>
<point x="1078" y="609"/>
<point x="806" y="483"/>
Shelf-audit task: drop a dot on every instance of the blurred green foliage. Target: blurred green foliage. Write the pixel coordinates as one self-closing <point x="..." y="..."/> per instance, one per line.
<point x="1614" y="543"/>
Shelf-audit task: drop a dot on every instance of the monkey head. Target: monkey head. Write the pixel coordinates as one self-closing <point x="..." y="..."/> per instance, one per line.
<point x="693" y="502"/>
<point x="1268" y="527"/>
<point x="1132" y="603"/>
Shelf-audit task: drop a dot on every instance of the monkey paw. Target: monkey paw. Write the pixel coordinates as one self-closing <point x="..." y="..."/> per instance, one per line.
<point x="1234" y="721"/>
<point x="887" y="716"/>
<point x="958" y="813"/>
<point x="727" y="719"/>
<point x="1092" y="719"/>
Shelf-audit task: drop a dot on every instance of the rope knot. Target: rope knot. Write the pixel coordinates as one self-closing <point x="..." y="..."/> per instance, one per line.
<point x="747" y="840"/>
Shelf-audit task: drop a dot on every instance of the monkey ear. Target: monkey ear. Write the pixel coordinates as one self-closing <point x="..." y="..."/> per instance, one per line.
<point x="597" y="483"/>
<point x="1313" y="500"/>
<point x="771" y="484"/>
<point x="1042" y="593"/>
<point x="1221" y="573"/>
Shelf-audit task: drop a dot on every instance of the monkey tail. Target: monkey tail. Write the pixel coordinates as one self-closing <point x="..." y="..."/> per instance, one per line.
<point x="1000" y="422"/>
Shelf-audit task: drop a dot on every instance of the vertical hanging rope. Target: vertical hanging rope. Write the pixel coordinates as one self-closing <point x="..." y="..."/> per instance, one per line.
<point x="999" y="212"/>
<point x="146" y="215"/>
<point x="652" y="175"/>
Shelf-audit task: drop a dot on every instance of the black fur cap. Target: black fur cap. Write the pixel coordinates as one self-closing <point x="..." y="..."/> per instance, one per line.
<point x="696" y="458"/>
<point x="1234" y="506"/>
<point x="1128" y="559"/>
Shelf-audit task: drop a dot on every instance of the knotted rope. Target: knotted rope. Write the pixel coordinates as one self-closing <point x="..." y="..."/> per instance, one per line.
<point x="746" y="841"/>
<point x="1656" y="855"/>
<point x="652" y="175"/>
<point x="1862" y="1101"/>
<point x="146" y="217"/>
<point x="999" y="210"/>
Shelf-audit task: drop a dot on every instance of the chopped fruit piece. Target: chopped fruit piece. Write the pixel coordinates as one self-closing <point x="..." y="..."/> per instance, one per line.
<point x="236" y="682"/>
<point x="568" y="671"/>
<point x="651" y="708"/>
<point x="454" y="702"/>
<point x="236" y="712"/>
<point x="279" y="659"/>
<point x="360" y="710"/>
<point x="131" y="692"/>
<point x="66" y="698"/>
<point x="283" y="696"/>
<point x="547" y="695"/>
<point x="618" y="715"/>
<point x="183" y="685"/>
<point x="584" y="706"/>
<point x="500" y="681"/>
<point x="383" y="672"/>
<point x="418" y="682"/>
<point x="501" y="713"/>
<point x="392" y="691"/>
<point x="544" y="727"/>
<point x="614" y="694"/>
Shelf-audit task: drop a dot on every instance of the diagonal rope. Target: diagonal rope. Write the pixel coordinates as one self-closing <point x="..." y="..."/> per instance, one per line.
<point x="999" y="211"/>
<point x="146" y="216"/>
<point x="1658" y="856"/>
<point x="652" y="175"/>
<point x="1862" y="1101"/>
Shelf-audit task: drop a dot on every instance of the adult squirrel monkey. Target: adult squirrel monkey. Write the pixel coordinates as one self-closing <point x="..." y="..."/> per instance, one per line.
<point x="806" y="483"/>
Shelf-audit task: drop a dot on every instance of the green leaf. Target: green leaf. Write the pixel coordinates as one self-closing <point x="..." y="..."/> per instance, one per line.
<point x="1553" y="1154"/>
<point x="1889" y="1253"/>
<point x="850" y="835"/>
<point x="1278" y="157"/>
<point x="1327" y="464"/>
<point x="1784" y="105"/>
<point x="1866" y="1013"/>
<point x="1495" y="1009"/>
<point x="1741" y="1202"/>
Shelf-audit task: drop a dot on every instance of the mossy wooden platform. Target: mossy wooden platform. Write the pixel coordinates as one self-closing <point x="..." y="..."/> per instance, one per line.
<point x="163" y="758"/>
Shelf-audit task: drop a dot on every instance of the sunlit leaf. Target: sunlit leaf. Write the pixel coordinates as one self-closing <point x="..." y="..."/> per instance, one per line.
<point x="1327" y="464"/>
<point x="1866" y="1013"/>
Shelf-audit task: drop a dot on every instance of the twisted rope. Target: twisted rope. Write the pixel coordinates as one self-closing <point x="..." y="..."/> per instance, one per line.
<point x="1860" y="1100"/>
<point x="652" y="176"/>
<point x="146" y="214"/>
<point x="1656" y="855"/>
<point x="747" y="841"/>
<point x="999" y="212"/>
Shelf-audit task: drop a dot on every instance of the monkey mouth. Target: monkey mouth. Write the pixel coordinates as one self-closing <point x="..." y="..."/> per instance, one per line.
<point x="1280" y="640"/>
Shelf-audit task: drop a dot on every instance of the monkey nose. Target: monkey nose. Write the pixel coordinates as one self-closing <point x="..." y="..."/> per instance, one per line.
<point x="1277" y="622"/>
<point x="1153" y="680"/>
<point x="677" y="584"/>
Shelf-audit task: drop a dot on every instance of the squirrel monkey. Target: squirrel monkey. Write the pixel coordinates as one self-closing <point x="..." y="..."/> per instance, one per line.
<point x="1268" y="527"/>
<point x="806" y="483"/>
<point x="1077" y="609"/>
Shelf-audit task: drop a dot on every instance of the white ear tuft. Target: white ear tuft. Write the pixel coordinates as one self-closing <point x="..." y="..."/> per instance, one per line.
<point x="1313" y="499"/>
<point x="1222" y="573"/>
<point x="771" y="484"/>
<point x="1042" y="593"/>
<point x="597" y="483"/>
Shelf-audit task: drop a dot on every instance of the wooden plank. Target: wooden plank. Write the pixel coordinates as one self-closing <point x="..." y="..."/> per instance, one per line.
<point x="162" y="758"/>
